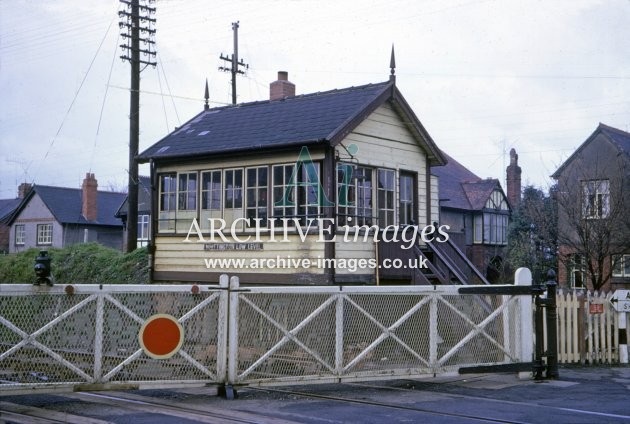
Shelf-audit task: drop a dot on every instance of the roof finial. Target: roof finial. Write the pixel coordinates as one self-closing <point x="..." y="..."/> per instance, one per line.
<point x="206" y="96"/>
<point x="392" y="66"/>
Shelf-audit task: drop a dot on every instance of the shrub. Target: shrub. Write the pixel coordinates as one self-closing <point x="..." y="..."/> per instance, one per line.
<point x="80" y="263"/>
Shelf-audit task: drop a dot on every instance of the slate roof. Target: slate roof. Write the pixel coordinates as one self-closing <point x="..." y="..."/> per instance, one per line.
<point x="144" y="198"/>
<point x="7" y="206"/>
<point x="308" y="119"/>
<point x="65" y="205"/>
<point x="620" y="139"/>
<point x="460" y="188"/>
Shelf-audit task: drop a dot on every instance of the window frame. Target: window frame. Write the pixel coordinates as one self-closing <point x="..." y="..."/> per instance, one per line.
<point x="623" y="264"/>
<point x="359" y="197"/>
<point x="172" y="194"/>
<point x="143" y="230"/>
<point x="490" y="228"/>
<point x="19" y="230"/>
<point x="300" y="192"/>
<point x="412" y="201"/>
<point x="186" y="196"/>
<point x="44" y="238"/>
<point x="261" y="198"/>
<point x="387" y="219"/>
<point x="577" y="267"/>
<point x="596" y="199"/>
<point x="210" y="193"/>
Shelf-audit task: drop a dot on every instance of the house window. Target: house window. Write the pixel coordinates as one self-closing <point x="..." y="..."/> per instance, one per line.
<point x="168" y="192"/>
<point x="233" y="195"/>
<point x="187" y="192"/>
<point x="143" y="230"/>
<point x="478" y="229"/>
<point x="354" y="186"/>
<point x="385" y="194"/>
<point x="233" y="189"/>
<point x="20" y="234"/>
<point x="44" y="234"/>
<point x="621" y="266"/>
<point x="256" y="195"/>
<point x="577" y="271"/>
<point x="406" y="205"/>
<point x="490" y="228"/>
<point x="596" y="199"/>
<point x="296" y="191"/>
<point x="211" y="190"/>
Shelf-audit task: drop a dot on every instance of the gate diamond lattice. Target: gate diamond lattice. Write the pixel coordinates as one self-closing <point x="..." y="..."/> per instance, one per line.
<point x="91" y="337"/>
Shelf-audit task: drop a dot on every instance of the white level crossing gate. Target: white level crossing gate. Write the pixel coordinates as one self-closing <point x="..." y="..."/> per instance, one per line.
<point x="87" y="336"/>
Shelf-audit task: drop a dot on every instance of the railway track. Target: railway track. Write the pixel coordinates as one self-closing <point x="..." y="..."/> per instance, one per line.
<point x="374" y="402"/>
<point x="170" y="411"/>
<point x="423" y="412"/>
<point x="488" y="416"/>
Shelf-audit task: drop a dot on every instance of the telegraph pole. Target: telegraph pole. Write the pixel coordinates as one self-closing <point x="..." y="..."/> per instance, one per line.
<point x="138" y="28"/>
<point x="235" y="63"/>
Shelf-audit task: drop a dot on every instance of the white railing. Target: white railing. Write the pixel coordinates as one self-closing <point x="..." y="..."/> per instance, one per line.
<point x="588" y="328"/>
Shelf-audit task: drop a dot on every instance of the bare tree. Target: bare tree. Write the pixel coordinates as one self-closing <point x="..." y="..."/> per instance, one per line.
<point x="594" y="219"/>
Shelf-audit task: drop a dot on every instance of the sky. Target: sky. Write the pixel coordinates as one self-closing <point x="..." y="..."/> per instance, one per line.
<point x="482" y="76"/>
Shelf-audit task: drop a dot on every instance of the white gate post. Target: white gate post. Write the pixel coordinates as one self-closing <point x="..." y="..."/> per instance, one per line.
<point x="433" y="334"/>
<point x="222" y="329"/>
<point x="98" y="338"/>
<point x="339" y="335"/>
<point x="523" y="277"/>
<point x="233" y="331"/>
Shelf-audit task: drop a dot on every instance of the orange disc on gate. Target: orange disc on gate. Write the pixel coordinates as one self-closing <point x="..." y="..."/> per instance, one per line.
<point x="161" y="336"/>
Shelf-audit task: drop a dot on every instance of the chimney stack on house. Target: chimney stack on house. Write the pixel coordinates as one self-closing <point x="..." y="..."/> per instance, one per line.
<point x="89" y="197"/>
<point x="513" y="180"/>
<point x="23" y="190"/>
<point x="282" y="88"/>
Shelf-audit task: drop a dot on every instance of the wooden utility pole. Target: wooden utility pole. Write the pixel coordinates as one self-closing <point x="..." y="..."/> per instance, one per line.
<point x="135" y="21"/>
<point x="235" y="63"/>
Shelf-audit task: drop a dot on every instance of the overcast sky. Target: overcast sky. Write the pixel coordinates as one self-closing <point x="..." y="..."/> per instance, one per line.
<point x="482" y="76"/>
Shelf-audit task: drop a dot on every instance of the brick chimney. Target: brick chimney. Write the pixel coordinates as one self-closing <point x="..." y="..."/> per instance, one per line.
<point x="23" y="190"/>
<point x="513" y="181"/>
<point x="89" y="197"/>
<point x="282" y="88"/>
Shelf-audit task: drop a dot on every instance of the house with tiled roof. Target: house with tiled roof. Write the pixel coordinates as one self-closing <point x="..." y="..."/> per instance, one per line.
<point x="59" y="216"/>
<point x="593" y="194"/>
<point x="477" y="211"/>
<point x="7" y="208"/>
<point x="329" y="179"/>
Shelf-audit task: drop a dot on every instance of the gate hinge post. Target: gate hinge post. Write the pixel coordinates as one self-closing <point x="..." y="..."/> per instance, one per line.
<point x="228" y="392"/>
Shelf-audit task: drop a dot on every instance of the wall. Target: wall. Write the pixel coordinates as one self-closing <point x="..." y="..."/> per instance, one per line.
<point x="34" y="213"/>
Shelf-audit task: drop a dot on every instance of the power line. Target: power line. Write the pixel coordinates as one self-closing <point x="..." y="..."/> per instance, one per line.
<point x="100" y="116"/>
<point x="76" y="94"/>
<point x="168" y="87"/>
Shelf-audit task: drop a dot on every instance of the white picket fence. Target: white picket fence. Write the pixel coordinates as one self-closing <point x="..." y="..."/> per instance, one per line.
<point x="588" y="328"/>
